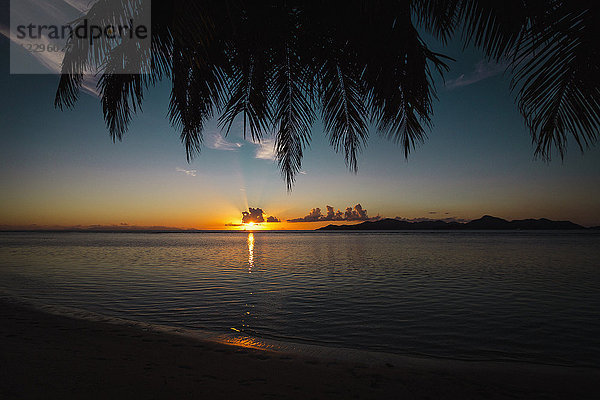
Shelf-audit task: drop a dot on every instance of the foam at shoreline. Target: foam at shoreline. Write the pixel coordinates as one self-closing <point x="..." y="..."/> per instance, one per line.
<point x="62" y="352"/>
<point x="326" y="353"/>
<point x="237" y="340"/>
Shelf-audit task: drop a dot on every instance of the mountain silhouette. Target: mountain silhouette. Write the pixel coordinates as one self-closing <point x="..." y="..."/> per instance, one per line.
<point x="487" y="222"/>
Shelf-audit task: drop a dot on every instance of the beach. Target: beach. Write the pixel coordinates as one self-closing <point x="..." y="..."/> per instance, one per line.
<point x="44" y="355"/>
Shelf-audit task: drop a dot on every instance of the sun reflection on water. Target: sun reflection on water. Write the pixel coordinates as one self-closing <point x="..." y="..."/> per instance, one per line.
<point x="250" y="252"/>
<point x="247" y="342"/>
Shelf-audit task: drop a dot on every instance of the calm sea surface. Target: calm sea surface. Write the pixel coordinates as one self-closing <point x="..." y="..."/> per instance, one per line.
<point x="531" y="296"/>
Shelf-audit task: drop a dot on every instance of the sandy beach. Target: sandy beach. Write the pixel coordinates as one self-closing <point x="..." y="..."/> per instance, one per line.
<point x="43" y="355"/>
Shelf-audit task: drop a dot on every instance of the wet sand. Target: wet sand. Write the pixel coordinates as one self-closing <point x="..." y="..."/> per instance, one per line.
<point x="43" y="355"/>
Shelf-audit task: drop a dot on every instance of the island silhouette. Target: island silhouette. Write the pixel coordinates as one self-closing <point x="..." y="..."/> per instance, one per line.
<point x="487" y="222"/>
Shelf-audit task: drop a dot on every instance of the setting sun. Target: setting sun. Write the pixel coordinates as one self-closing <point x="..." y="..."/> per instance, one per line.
<point x="253" y="226"/>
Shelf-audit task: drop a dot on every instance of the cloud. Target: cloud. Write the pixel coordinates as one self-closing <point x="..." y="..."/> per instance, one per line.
<point x="265" y="149"/>
<point x="216" y="141"/>
<point x="253" y="215"/>
<point x="89" y="85"/>
<point x="257" y="216"/>
<point x="52" y="60"/>
<point x="334" y="215"/>
<point x="351" y="214"/>
<point x="80" y="5"/>
<point x="55" y="13"/>
<point x="313" y="216"/>
<point x="483" y="70"/>
<point x="189" y="172"/>
<point x="358" y="214"/>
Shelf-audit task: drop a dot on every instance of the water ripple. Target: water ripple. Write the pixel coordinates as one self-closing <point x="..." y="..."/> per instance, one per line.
<point x="531" y="296"/>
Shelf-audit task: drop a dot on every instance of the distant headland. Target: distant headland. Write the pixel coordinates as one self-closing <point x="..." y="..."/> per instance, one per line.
<point x="487" y="222"/>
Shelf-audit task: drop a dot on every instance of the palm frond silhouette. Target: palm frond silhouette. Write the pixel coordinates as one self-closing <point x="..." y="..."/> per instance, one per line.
<point x="280" y="65"/>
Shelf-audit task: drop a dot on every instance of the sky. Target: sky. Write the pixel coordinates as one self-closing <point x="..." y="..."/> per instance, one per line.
<point x="61" y="168"/>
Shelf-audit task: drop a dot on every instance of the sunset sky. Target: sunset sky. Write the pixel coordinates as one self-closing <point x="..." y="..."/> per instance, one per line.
<point x="61" y="168"/>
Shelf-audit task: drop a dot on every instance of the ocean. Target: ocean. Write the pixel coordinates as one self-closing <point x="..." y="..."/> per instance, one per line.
<point x="508" y="296"/>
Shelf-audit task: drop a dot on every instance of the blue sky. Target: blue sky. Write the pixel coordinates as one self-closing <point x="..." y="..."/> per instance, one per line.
<point x="61" y="167"/>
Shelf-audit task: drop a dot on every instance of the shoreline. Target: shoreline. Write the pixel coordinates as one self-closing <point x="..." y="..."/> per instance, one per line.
<point x="302" y="349"/>
<point x="46" y="354"/>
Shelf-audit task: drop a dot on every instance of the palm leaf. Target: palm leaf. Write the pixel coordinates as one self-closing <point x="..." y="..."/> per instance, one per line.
<point x="274" y="63"/>
<point x="496" y="26"/>
<point x="293" y="114"/>
<point x="343" y="111"/>
<point x="558" y="88"/>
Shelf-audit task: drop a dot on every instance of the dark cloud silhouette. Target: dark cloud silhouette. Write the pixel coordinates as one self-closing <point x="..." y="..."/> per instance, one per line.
<point x="351" y="214"/>
<point x="358" y="214"/>
<point x="334" y="215"/>
<point x="314" y="216"/>
<point x="256" y="215"/>
<point x="253" y="215"/>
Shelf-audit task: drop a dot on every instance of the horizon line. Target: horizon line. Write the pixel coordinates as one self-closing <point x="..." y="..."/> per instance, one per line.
<point x="166" y="229"/>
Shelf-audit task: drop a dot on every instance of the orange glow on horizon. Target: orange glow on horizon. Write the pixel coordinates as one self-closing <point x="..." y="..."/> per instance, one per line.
<point x="253" y="226"/>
